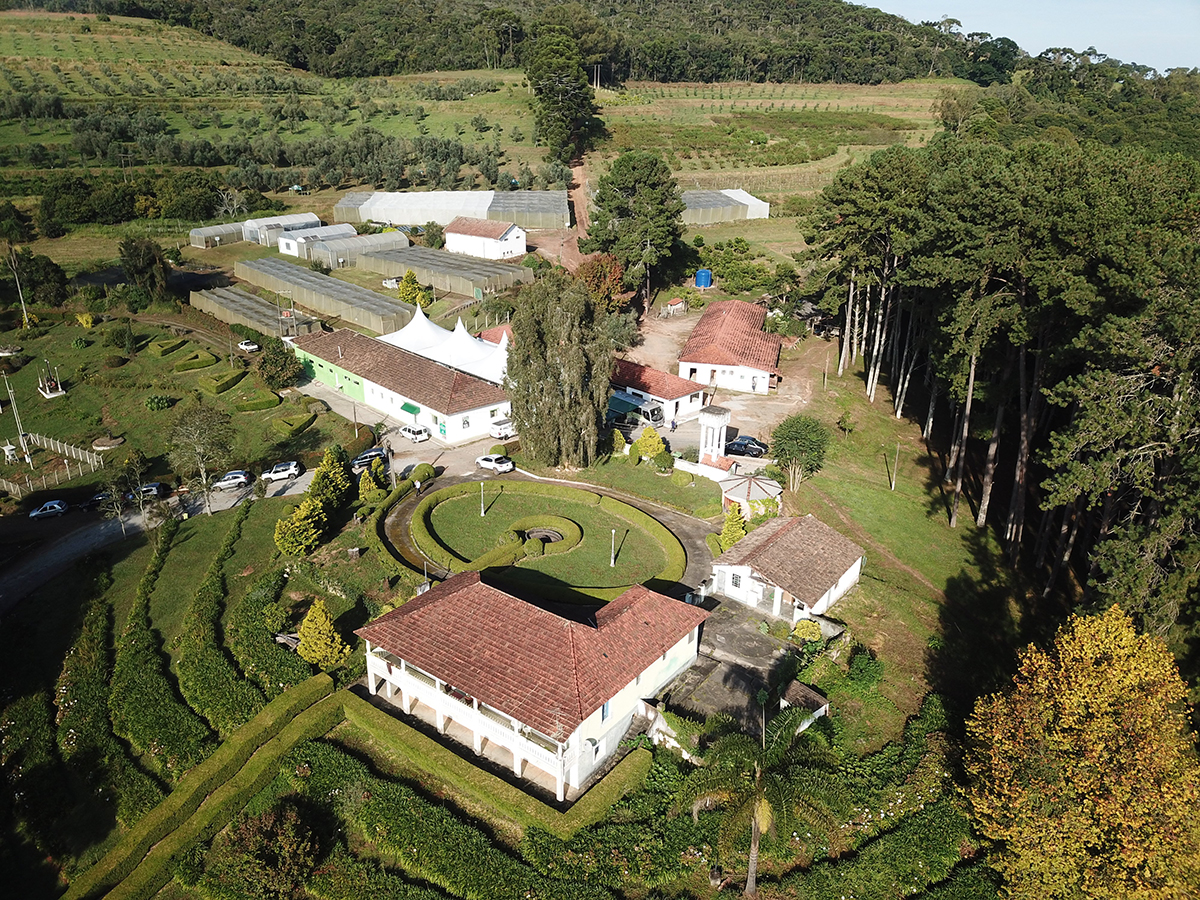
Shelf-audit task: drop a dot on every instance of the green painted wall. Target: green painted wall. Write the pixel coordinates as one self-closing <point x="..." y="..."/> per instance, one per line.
<point x="328" y="374"/>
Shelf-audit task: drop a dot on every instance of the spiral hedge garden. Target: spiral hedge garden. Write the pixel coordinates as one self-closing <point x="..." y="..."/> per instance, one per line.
<point x="448" y="529"/>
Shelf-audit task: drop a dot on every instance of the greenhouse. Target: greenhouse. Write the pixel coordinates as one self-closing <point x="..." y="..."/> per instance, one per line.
<point x="340" y="252"/>
<point x="529" y="209"/>
<point x="215" y="235"/>
<point x="266" y="231"/>
<point x="296" y="243"/>
<point x="325" y="295"/>
<point x="236" y="307"/>
<point x="711" y="207"/>
<point x="445" y="271"/>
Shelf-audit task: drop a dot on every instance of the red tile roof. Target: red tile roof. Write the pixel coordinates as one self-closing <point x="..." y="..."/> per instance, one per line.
<point x="802" y="555"/>
<point x="663" y="385"/>
<point x="545" y="671"/>
<point x="718" y="462"/>
<point x="441" y="388"/>
<point x="493" y="334"/>
<point x="484" y="228"/>
<point x="730" y="334"/>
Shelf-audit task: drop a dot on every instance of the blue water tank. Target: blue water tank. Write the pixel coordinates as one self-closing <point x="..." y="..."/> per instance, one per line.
<point x="704" y="278"/>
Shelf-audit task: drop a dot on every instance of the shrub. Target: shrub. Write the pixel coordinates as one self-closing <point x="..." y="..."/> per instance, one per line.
<point x="424" y="473"/>
<point x="142" y="703"/>
<point x="299" y="533"/>
<point x="290" y="426"/>
<point x="199" y="359"/>
<point x="534" y="548"/>
<point x="258" y="400"/>
<point x="508" y="538"/>
<point x="219" y="384"/>
<point x="158" y="402"/>
<point x="865" y="669"/>
<point x="806" y="630"/>
<point x="498" y="449"/>
<point x="664" y="461"/>
<point x="114" y="361"/>
<point x="208" y="681"/>
<point x="320" y="644"/>
<point x="680" y="478"/>
<point x="80" y="343"/>
<point x="649" y="444"/>
<point x="690" y="454"/>
<point x="734" y="528"/>
<point x="714" y="545"/>
<point x="249" y="634"/>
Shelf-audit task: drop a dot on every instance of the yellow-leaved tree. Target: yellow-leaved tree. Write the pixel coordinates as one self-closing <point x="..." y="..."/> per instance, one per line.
<point x="1085" y="773"/>
<point x="320" y="644"/>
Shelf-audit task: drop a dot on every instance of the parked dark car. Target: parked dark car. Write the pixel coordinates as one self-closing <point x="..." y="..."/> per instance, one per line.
<point x="746" y="446"/>
<point x="367" y="457"/>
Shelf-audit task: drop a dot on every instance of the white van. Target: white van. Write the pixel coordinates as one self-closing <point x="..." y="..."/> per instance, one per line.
<point x="503" y="429"/>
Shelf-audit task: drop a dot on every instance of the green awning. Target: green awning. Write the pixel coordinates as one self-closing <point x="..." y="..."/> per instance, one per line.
<point x="411" y="408"/>
<point x="617" y="405"/>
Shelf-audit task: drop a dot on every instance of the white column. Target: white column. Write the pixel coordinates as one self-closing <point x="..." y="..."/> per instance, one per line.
<point x="559" y="787"/>
<point x="372" y="681"/>
<point x="475" y="734"/>
<point x="437" y="710"/>
<point x="405" y="694"/>
<point x="517" y="760"/>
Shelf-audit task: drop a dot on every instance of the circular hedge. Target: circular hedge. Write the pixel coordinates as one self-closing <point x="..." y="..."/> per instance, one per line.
<point x="508" y="545"/>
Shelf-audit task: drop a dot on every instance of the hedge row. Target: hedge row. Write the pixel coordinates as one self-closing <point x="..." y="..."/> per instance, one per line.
<point x="200" y="359"/>
<point x="194" y="787"/>
<point x="164" y="348"/>
<point x="428" y="544"/>
<point x="208" y="679"/>
<point x="85" y="739"/>
<point x="676" y="555"/>
<point x="290" y="426"/>
<point x="374" y="530"/>
<point x="427" y="841"/>
<point x="260" y="400"/>
<point x="713" y="542"/>
<point x="921" y="850"/>
<point x="272" y="666"/>
<point x="488" y="790"/>
<point x="226" y="800"/>
<point x="144" y="706"/>
<point x="219" y="384"/>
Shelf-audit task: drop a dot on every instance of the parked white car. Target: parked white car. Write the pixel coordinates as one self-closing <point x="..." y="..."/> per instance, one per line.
<point x="502" y="429"/>
<point x="282" y="471"/>
<point x="231" y="481"/>
<point x="248" y="346"/>
<point x="415" y="433"/>
<point x="497" y="463"/>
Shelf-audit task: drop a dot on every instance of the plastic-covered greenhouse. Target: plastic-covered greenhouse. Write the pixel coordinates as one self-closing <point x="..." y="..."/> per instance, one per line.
<point x="236" y="307"/>
<point x="710" y="207"/>
<point x="445" y="271"/>
<point x="214" y="235"/>
<point x="266" y="231"/>
<point x="529" y="209"/>
<point x="325" y="295"/>
<point x="340" y="252"/>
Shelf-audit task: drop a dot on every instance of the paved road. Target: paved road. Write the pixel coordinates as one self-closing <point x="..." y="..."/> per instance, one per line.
<point x="57" y="555"/>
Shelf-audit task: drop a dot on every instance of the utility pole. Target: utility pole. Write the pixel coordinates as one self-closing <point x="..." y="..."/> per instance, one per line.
<point x="17" y="416"/>
<point x="12" y="264"/>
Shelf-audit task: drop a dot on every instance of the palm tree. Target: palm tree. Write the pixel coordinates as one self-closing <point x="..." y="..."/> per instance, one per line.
<point x="759" y="786"/>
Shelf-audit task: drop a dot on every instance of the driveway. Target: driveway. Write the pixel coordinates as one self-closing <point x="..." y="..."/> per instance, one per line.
<point x="56" y="555"/>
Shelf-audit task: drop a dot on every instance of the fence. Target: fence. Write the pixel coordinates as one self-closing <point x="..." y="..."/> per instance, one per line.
<point x="83" y="459"/>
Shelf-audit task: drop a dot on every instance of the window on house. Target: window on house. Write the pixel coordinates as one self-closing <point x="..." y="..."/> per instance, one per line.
<point x="466" y="422"/>
<point x="735" y="579"/>
<point x="604" y="711"/>
<point x="691" y="636"/>
<point x="693" y="398"/>
<point x="492" y="413"/>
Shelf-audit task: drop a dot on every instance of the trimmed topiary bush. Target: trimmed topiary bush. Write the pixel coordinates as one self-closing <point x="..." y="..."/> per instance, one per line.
<point x="114" y="361"/>
<point x="290" y="426"/>
<point x="424" y="473"/>
<point x="664" y="462"/>
<point x="681" y="478"/>
<point x="258" y="400"/>
<point x="534" y="548"/>
<point x="157" y="402"/>
<point x="219" y="384"/>
<point x="164" y="348"/>
<point x="200" y="359"/>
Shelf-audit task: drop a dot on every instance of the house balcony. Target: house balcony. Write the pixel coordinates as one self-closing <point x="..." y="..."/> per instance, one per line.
<point x="465" y="720"/>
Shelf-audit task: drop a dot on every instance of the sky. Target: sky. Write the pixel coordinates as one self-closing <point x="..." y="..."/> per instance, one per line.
<point x="1161" y="33"/>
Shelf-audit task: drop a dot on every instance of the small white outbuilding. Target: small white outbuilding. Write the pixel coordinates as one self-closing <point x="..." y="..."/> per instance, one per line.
<point x="485" y="238"/>
<point x="297" y="243"/>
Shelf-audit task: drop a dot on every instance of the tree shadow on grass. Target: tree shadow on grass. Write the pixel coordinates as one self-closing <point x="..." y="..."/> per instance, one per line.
<point x="989" y="615"/>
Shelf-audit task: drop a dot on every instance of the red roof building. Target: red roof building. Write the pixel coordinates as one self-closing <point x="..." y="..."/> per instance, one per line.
<point x="556" y="692"/>
<point x="729" y="349"/>
<point x="678" y="397"/>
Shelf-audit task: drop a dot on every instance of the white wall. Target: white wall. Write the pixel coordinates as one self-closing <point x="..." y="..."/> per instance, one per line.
<point x="679" y="409"/>
<point x="460" y="428"/>
<point x="512" y="247"/>
<point x="731" y="378"/>
<point x="607" y="732"/>
<point x="289" y="246"/>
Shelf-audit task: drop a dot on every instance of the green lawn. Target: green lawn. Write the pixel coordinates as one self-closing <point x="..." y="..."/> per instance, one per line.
<point x="102" y="400"/>
<point x="586" y="569"/>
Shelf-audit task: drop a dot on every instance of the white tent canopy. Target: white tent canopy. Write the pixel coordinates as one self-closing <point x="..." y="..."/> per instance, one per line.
<point x="457" y="349"/>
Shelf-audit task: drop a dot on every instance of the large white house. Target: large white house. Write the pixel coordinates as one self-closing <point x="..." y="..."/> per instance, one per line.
<point x="680" y="399"/>
<point x="793" y="568"/>
<point x="456" y="406"/>
<point x="485" y="239"/>
<point x="549" y="692"/>
<point x="728" y="349"/>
